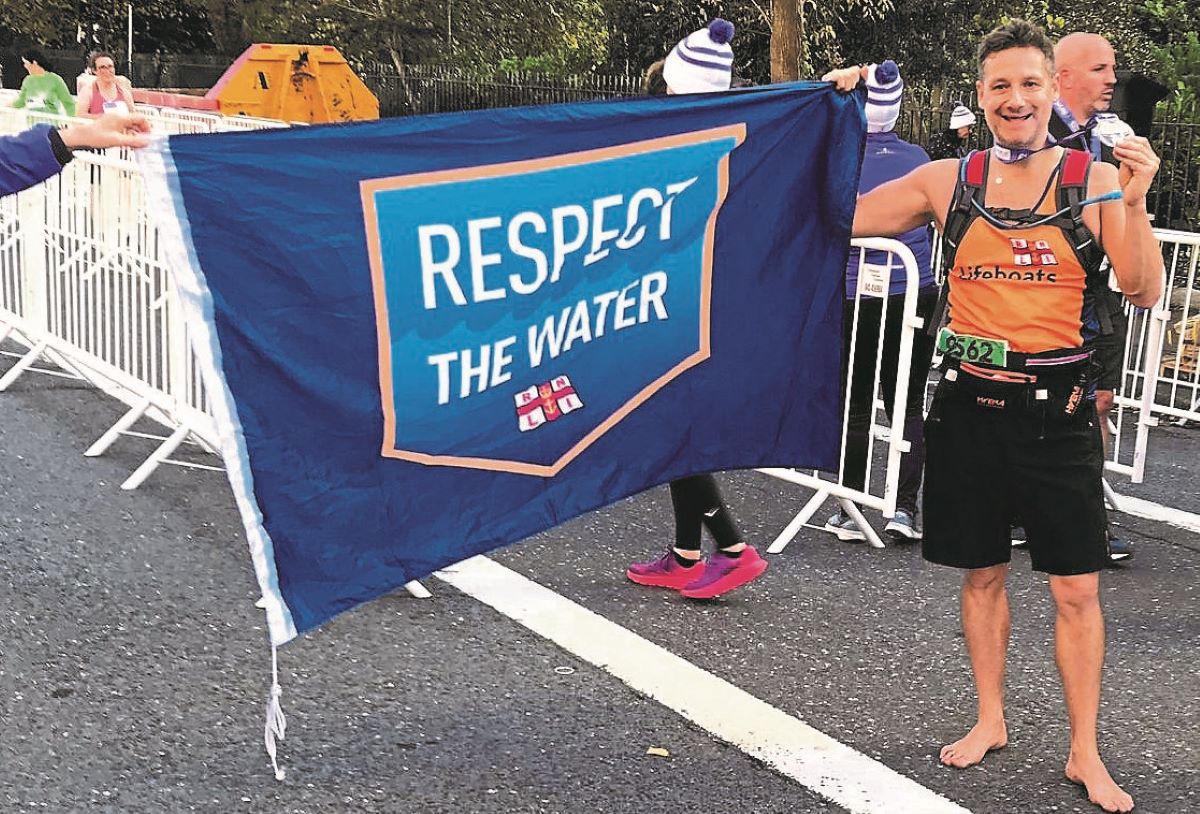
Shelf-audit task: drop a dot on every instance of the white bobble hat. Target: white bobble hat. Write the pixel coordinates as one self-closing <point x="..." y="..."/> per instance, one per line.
<point x="961" y="116"/>
<point x="702" y="62"/>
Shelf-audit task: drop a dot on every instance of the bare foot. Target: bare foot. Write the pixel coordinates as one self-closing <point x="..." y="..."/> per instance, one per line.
<point x="968" y="751"/>
<point x="1101" y="788"/>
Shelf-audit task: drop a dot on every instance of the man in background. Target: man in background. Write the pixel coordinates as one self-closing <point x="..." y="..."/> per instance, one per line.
<point x="1085" y="66"/>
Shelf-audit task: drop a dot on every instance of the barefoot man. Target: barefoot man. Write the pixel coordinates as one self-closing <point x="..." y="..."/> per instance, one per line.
<point x="1013" y="422"/>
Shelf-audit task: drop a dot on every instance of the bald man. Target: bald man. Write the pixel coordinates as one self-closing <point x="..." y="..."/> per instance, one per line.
<point x="1085" y="66"/>
<point x="1086" y="69"/>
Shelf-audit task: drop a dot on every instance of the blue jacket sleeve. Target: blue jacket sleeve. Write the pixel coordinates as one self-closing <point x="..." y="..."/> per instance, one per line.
<point x="26" y="159"/>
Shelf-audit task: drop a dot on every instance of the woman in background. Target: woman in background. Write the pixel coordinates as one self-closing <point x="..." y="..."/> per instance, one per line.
<point x="106" y="93"/>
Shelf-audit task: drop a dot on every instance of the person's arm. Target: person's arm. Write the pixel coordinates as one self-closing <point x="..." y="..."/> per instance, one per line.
<point x="126" y="92"/>
<point x="85" y="100"/>
<point x="846" y="79"/>
<point x="109" y="130"/>
<point x="30" y="157"/>
<point x="906" y="203"/>
<point x="1125" y="232"/>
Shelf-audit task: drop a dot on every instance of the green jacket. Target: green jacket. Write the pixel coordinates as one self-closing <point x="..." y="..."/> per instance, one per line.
<point x="46" y="94"/>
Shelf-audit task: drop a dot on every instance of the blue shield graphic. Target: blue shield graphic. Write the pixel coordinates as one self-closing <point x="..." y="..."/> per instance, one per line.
<point x="494" y="282"/>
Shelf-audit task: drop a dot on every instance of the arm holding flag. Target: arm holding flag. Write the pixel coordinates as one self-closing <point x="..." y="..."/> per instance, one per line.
<point x="31" y="157"/>
<point x="906" y="203"/>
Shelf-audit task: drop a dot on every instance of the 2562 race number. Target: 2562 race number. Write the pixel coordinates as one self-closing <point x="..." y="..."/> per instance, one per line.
<point x="973" y="348"/>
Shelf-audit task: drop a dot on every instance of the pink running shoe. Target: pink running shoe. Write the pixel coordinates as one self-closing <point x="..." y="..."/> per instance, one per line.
<point x="723" y="574"/>
<point x="665" y="572"/>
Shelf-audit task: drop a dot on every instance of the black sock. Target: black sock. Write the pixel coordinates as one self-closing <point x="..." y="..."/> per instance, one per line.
<point x="686" y="562"/>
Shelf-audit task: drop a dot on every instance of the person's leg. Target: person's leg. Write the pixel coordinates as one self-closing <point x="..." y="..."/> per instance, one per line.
<point x="918" y="379"/>
<point x="1079" y="650"/>
<point x="697" y="502"/>
<point x="734" y="563"/>
<point x="986" y="626"/>
<point x="912" y="464"/>
<point x="690" y="498"/>
<point x="862" y="384"/>
<point x="681" y="564"/>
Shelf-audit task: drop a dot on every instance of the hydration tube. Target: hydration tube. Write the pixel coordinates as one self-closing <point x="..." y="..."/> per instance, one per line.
<point x="1115" y="195"/>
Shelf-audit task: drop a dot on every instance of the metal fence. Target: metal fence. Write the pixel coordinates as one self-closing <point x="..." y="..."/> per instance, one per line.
<point x="416" y="89"/>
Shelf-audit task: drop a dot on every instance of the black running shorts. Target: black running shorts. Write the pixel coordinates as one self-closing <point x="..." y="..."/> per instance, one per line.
<point x="983" y="464"/>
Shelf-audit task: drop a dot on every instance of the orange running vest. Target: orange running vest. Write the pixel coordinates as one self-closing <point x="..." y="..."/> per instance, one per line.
<point x="1026" y="286"/>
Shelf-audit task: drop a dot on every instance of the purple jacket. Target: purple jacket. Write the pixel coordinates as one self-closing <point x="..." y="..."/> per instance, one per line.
<point x="26" y="159"/>
<point x="886" y="158"/>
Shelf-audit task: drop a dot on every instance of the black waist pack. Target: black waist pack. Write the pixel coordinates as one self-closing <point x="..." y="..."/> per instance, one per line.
<point x="1058" y="393"/>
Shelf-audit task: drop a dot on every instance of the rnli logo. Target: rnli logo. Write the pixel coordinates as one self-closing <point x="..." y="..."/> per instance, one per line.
<point x="543" y="403"/>
<point x="1027" y="254"/>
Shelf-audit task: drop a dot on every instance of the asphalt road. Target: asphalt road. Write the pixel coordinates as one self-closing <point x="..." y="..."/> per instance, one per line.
<point x="134" y="665"/>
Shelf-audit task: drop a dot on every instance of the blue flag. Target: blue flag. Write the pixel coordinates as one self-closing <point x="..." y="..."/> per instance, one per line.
<point x="430" y="337"/>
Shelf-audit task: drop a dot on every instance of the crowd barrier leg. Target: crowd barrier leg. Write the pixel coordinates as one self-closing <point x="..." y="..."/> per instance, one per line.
<point x="849" y="500"/>
<point x="24" y="363"/>
<point x="101" y="445"/>
<point x="1110" y="496"/>
<point x="799" y="521"/>
<point x="159" y="456"/>
<point x="418" y="590"/>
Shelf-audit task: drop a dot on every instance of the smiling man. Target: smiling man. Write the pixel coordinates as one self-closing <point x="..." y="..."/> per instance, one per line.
<point x="1013" y="423"/>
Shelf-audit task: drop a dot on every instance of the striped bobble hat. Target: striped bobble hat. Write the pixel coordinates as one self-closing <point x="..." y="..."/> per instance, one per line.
<point x="702" y="62"/>
<point x="884" y="88"/>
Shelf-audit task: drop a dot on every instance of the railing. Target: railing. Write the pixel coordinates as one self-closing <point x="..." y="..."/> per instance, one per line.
<point x="881" y="496"/>
<point x="84" y="285"/>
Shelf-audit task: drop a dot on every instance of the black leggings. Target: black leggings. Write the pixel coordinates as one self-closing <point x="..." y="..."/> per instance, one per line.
<point x="697" y="502"/>
<point x="862" y="397"/>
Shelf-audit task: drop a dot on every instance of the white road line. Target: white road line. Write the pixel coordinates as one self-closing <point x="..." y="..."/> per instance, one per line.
<point x="1155" y="511"/>
<point x="822" y="764"/>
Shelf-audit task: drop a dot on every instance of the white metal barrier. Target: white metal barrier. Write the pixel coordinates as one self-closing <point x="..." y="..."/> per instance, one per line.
<point x="84" y="285"/>
<point x="1160" y="374"/>
<point x="87" y="288"/>
<point x="892" y="433"/>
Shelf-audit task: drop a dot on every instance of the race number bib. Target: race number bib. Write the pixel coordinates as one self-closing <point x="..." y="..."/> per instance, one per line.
<point x="116" y="106"/>
<point x="973" y="348"/>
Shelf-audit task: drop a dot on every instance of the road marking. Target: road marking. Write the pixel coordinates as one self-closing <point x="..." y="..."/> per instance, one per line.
<point x="1156" y="511"/>
<point x="787" y="744"/>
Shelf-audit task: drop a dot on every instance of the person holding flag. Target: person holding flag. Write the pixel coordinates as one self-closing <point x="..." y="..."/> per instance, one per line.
<point x="702" y="62"/>
<point x="1013" y="423"/>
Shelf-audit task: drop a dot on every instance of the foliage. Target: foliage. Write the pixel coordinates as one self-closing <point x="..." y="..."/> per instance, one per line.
<point x="83" y="25"/>
<point x="946" y="50"/>
<point x="931" y="39"/>
<point x="1175" y="45"/>
<point x="642" y="31"/>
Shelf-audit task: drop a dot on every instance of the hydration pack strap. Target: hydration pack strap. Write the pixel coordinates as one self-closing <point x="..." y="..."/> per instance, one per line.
<point x="1072" y="189"/>
<point x="972" y="182"/>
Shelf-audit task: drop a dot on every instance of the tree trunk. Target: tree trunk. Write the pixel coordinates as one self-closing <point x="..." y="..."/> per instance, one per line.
<point x="402" y="77"/>
<point x="787" y="38"/>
